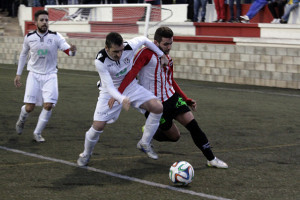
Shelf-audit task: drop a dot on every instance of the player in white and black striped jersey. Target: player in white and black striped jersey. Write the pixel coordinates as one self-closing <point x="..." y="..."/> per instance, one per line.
<point x="159" y="80"/>
<point x="41" y="85"/>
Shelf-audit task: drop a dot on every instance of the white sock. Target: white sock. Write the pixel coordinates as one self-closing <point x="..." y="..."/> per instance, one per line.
<point x="91" y="139"/>
<point x="151" y="126"/>
<point x="43" y="120"/>
<point x="23" y="114"/>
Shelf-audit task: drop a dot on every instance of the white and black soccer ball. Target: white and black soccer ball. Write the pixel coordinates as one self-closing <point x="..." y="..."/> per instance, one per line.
<point x="181" y="173"/>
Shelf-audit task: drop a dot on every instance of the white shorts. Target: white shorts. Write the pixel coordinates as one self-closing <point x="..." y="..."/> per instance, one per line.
<point x="137" y="95"/>
<point x="41" y="88"/>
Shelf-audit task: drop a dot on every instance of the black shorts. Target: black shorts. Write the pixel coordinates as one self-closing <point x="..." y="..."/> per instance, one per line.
<point x="172" y="107"/>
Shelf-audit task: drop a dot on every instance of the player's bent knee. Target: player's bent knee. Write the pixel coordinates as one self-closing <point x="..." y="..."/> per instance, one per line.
<point x="157" y="108"/>
<point x="29" y="107"/>
<point x="175" y="138"/>
<point x="98" y="126"/>
<point x="48" y="106"/>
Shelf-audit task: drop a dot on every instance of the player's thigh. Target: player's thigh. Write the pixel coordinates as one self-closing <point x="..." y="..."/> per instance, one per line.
<point x="143" y="98"/>
<point x="50" y="89"/>
<point x="153" y="105"/>
<point x="104" y="113"/>
<point x="32" y="89"/>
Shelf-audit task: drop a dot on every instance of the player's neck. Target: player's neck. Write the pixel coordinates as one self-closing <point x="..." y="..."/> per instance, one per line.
<point x="41" y="34"/>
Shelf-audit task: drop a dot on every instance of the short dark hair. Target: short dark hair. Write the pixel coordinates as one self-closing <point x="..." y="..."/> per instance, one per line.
<point x="161" y="32"/>
<point x="38" y="13"/>
<point x="113" y="38"/>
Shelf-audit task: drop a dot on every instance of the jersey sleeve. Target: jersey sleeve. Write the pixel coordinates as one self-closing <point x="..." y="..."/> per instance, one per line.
<point x="137" y="42"/>
<point x="140" y="60"/>
<point x="23" y="56"/>
<point x="63" y="45"/>
<point x="107" y="81"/>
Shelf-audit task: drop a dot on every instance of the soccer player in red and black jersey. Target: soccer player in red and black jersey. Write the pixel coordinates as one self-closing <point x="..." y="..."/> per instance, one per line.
<point x="159" y="79"/>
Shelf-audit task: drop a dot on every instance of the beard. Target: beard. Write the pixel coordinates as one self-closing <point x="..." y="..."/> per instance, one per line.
<point x="43" y="29"/>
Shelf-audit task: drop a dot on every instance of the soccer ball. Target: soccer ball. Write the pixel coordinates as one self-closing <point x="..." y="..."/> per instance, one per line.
<point x="181" y="173"/>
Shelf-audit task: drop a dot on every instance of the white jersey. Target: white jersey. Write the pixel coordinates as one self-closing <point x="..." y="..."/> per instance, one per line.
<point x="113" y="72"/>
<point x="43" y="52"/>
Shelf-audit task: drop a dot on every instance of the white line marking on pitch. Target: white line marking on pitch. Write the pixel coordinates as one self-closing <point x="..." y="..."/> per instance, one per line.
<point x="116" y="175"/>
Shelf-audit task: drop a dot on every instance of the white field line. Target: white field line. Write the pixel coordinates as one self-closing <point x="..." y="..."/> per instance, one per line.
<point x="115" y="174"/>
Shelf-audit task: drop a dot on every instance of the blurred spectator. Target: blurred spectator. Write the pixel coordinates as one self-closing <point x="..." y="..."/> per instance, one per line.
<point x="234" y="18"/>
<point x="253" y="10"/>
<point x="47" y="2"/>
<point x="272" y="7"/>
<point x="167" y="2"/>
<point x="190" y="11"/>
<point x="292" y="4"/>
<point x="153" y="2"/>
<point x="197" y="5"/>
<point x="220" y="9"/>
<point x="63" y="2"/>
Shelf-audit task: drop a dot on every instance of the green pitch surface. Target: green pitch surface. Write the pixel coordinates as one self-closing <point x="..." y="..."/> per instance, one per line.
<point x="254" y="129"/>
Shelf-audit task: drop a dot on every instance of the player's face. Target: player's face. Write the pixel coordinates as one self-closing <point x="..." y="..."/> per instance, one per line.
<point x="166" y="45"/>
<point x="42" y="23"/>
<point x="115" y="51"/>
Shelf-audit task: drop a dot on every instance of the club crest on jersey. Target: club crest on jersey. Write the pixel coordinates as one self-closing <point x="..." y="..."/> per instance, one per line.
<point x="126" y="61"/>
<point x="49" y="41"/>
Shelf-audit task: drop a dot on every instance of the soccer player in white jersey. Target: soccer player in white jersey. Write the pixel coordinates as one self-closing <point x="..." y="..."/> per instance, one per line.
<point x="159" y="80"/>
<point x="113" y="63"/>
<point x="41" y="85"/>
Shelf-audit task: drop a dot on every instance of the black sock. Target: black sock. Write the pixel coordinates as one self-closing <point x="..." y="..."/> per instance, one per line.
<point x="200" y="139"/>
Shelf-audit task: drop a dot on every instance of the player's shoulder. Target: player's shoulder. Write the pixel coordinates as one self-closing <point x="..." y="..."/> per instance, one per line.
<point x="127" y="47"/>
<point x="101" y="55"/>
<point x="52" y="32"/>
<point x="146" y="52"/>
<point x="31" y="33"/>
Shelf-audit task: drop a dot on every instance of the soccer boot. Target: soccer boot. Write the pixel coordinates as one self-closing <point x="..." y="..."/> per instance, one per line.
<point x="216" y="162"/>
<point x="147" y="149"/>
<point x="19" y="127"/>
<point x="38" y="137"/>
<point x="83" y="160"/>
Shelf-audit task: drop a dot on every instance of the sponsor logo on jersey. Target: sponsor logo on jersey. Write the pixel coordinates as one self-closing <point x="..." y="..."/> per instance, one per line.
<point x="42" y="52"/>
<point x="121" y="72"/>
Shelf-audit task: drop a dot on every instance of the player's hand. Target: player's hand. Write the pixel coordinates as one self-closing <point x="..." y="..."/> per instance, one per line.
<point x="192" y="103"/>
<point x="126" y="104"/>
<point x="73" y="48"/>
<point x="164" y="60"/>
<point x="17" y="81"/>
<point x="111" y="102"/>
